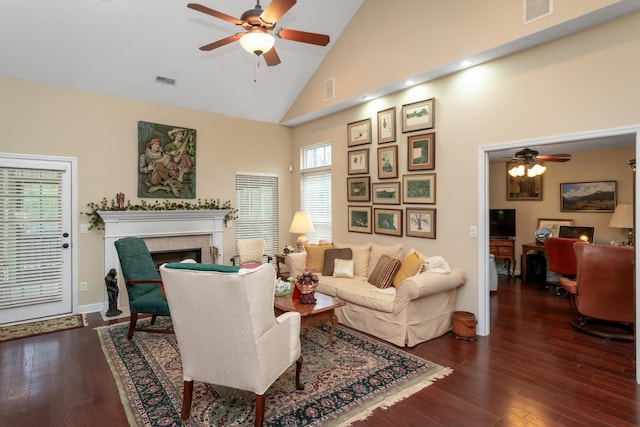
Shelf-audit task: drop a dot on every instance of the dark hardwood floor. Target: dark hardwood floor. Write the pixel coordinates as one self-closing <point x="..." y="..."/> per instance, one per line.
<point x="534" y="369"/>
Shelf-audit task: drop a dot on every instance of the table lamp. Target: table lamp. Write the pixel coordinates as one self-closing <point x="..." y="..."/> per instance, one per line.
<point x="301" y="225"/>
<point x="623" y="218"/>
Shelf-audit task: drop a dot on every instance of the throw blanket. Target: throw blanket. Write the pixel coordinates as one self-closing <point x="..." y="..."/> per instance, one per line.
<point x="437" y="264"/>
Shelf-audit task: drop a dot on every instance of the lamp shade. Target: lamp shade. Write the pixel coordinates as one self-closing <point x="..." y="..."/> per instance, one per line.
<point x="257" y="41"/>
<point x="622" y="217"/>
<point x="301" y="224"/>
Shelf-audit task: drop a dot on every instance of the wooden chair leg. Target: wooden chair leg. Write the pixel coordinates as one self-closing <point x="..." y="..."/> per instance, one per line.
<point x="299" y="385"/>
<point x="186" y="400"/>
<point x="132" y="325"/>
<point x="153" y="319"/>
<point x="259" y="410"/>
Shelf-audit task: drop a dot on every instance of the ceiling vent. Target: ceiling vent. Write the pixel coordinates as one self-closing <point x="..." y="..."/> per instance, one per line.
<point x="536" y="9"/>
<point x="166" y="80"/>
<point x="329" y="89"/>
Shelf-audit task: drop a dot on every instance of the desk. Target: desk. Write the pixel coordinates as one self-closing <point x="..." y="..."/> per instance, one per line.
<point x="504" y="249"/>
<point x="526" y="248"/>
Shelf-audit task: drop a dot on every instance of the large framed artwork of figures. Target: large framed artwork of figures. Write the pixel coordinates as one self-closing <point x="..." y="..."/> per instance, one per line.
<point x="166" y="161"/>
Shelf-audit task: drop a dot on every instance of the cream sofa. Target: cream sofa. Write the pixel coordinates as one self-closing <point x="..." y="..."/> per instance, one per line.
<point x="418" y="309"/>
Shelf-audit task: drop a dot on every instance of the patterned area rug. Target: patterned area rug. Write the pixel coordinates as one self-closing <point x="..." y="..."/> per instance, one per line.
<point x="344" y="381"/>
<point x="40" y="327"/>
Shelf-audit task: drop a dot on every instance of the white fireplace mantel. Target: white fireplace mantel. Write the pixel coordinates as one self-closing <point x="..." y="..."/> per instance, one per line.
<point x="158" y="224"/>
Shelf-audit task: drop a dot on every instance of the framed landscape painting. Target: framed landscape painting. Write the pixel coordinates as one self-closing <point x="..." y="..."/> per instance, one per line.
<point x="388" y="221"/>
<point x="419" y="188"/>
<point x="360" y="219"/>
<point x="598" y="196"/>
<point x="386" y="193"/>
<point x="418" y="115"/>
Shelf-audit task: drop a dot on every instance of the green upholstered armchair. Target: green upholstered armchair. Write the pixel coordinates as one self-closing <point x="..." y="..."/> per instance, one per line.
<point x="144" y="286"/>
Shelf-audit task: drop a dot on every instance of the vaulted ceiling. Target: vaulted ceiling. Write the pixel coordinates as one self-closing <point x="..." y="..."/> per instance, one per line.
<point x="120" y="47"/>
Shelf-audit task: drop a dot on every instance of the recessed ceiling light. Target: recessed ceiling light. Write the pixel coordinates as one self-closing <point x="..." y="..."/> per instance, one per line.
<point x="367" y="97"/>
<point x="466" y="63"/>
<point x="409" y="82"/>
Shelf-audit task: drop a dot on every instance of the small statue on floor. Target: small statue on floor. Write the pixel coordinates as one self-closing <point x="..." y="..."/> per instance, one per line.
<point x="111" y="281"/>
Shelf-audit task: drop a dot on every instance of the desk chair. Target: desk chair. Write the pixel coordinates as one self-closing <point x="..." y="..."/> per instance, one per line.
<point x="561" y="257"/>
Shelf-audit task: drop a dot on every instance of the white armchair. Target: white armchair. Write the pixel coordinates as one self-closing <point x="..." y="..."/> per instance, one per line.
<point x="227" y="331"/>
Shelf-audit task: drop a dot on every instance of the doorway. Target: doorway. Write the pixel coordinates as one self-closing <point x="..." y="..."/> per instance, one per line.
<point x="37" y="255"/>
<point x="580" y="140"/>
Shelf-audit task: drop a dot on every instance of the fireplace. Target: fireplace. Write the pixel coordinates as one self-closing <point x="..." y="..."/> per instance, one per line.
<point x="163" y="231"/>
<point x="161" y="257"/>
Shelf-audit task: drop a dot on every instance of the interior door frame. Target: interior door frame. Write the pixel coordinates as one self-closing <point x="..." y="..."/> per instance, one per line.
<point x="72" y="169"/>
<point x="483" y="209"/>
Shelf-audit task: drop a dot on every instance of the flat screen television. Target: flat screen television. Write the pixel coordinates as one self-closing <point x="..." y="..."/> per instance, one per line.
<point x="502" y="223"/>
<point x="575" y="232"/>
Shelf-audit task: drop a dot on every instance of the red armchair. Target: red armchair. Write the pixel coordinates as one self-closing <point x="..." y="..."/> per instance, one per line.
<point x="561" y="257"/>
<point x="603" y="291"/>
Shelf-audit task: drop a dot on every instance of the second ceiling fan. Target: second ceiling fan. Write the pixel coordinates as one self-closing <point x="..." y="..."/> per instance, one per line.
<point x="529" y="162"/>
<point x="260" y="25"/>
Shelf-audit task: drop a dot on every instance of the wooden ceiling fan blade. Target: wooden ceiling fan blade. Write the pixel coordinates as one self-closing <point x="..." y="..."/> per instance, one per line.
<point x="304" y="37"/>
<point x="221" y="42"/>
<point x="554" y="158"/>
<point x="271" y="57"/>
<point x="214" y="13"/>
<point x="275" y="10"/>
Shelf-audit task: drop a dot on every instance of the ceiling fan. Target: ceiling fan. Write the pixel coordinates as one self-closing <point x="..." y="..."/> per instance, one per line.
<point x="529" y="162"/>
<point x="260" y="25"/>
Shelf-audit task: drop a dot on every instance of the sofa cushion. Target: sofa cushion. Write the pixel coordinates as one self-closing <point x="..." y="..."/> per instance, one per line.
<point x="384" y="272"/>
<point x="315" y="257"/>
<point x="393" y="251"/>
<point x="343" y="268"/>
<point x="296" y="262"/>
<point x="359" y="292"/>
<point x="411" y="265"/>
<point x="330" y="255"/>
<point x="360" y="256"/>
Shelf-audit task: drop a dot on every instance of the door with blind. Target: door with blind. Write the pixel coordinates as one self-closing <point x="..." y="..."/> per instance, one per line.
<point x="35" y="230"/>
<point x="257" y="205"/>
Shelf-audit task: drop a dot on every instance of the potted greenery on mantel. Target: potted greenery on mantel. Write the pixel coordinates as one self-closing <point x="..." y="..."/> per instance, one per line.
<point x="96" y="221"/>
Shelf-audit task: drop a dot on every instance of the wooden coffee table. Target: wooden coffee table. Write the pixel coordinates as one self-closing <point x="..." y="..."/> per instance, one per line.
<point x="312" y="314"/>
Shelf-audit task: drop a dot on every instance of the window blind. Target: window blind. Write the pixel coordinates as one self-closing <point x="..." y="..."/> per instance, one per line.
<point x="30" y="237"/>
<point x="257" y="205"/>
<point x="316" y="200"/>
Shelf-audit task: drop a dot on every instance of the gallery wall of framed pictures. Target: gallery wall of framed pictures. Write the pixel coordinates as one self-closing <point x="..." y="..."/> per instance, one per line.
<point x="397" y="195"/>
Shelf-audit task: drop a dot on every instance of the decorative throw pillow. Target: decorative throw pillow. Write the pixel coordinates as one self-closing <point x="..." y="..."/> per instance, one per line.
<point x="360" y="257"/>
<point x="392" y="251"/>
<point x="384" y="272"/>
<point x="315" y="257"/>
<point x="330" y="255"/>
<point x="410" y="267"/>
<point x="343" y="268"/>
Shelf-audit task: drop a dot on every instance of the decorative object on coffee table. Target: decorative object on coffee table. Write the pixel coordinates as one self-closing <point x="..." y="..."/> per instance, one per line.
<point x="307" y="284"/>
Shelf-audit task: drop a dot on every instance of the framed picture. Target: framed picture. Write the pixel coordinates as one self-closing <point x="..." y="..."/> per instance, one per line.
<point x="388" y="221"/>
<point x="419" y="188"/>
<point x="597" y="196"/>
<point x="421" y="223"/>
<point x="359" y="132"/>
<point x="387" y="125"/>
<point x="553" y="224"/>
<point x="358" y="189"/>
<point x="388" y="162"/>
<point x="175" y="178"/>
<point x="418" y="115"/>
<point x="524" y="187"/>
<point x="421" y="152"/>
<point x="358" y="161"/>
<point x="359" y="219"/>
<point x="386" y="193"/>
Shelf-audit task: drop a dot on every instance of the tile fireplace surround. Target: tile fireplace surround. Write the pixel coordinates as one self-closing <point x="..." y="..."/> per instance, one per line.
<point x="162" y="230"/>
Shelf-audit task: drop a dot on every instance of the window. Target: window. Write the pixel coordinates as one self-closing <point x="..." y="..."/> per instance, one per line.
<point x="315" y="189"/>
<point x="257" y="205"/>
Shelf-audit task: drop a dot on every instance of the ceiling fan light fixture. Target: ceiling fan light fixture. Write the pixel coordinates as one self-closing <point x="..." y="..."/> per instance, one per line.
<point x="517" y="170"/>
<point x="536" y="170"/>
<point x="257" y="41"/>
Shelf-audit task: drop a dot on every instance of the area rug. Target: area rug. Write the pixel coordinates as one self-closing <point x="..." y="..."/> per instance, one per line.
<point x="344" y="381"/>
<point x="40" y="327"/>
